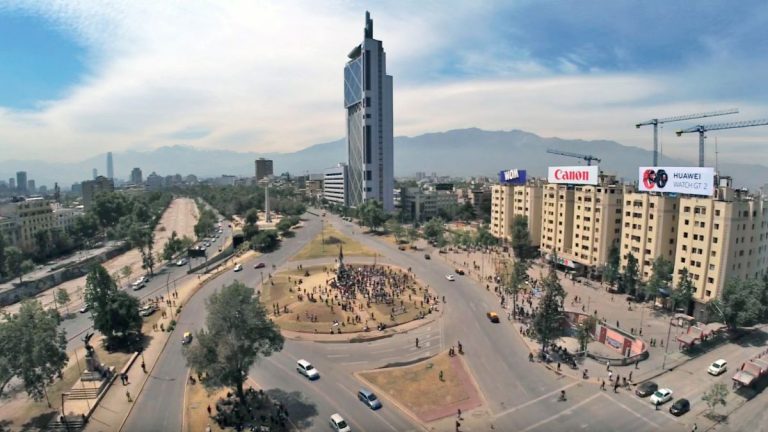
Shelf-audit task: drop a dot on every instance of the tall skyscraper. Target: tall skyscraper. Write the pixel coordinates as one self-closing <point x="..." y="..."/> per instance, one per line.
<point x="136" y="176"/>
<point x="110" y="167"/>
<point x="21" y="182"/>
<point x="263" y="168"/>
<point x="95" y="173"/>
<point x="12" y="184"/>
<point x="31" y="188"/>
<point x="368" y="102"/>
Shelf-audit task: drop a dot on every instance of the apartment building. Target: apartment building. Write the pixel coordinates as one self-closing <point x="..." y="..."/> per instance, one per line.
<point x="597" y="214"/>
<point x="422" y="204"/>
<point x="336" y="185"/>
<point x="721" y="238"/>
<point x="92" y="188"/>
<point x="29" y="216"/>
<point x="509" y="201"/>
<point x="556" y="219"/>
<point x="649" y="230"/>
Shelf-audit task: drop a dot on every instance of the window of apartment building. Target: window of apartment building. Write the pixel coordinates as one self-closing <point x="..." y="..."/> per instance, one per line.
<point x="686" y="221"/>
<point x="686" y="209"/>
<point x="627" y="214"/>
<point x="685" y="248"/>
<point x="650" y="216"/>
<point x="714" y="239"/>
<point x="711" y="266"/>
<point x="708" y="292"/>
<point x="717" y="212"/>
<point x="712" y="254"/>
<point x="717" y="226"/>
<point x="682" y="260"/>
<point x="651" y="205"/>
<point x="648" y="240"/>
<point x="685" y="235"/>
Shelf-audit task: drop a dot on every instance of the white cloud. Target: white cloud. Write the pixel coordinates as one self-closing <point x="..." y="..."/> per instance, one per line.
<point x="268" y="77"/>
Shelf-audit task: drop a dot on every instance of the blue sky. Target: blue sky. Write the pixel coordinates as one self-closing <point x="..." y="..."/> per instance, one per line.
<point x="266" y="76"/>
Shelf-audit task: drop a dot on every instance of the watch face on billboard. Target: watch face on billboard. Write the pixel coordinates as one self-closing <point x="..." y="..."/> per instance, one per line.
<point x="579" y="175"/>
<point x="685" y="180"/>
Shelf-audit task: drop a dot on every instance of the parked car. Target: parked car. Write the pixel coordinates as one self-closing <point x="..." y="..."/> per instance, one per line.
<point x="460" y="272"/>
<point x="493" y="317"/>
<point x="661" y="396"/>
<point x="238" y="267"/>
<point x="718" y="367"/>
<point x="369" y="399"/>
<point x="181" y="262"/>
<point x="680" y="407"/>
<point x="305" y="368"/>
<point x="139" y="284"/>
<point x="338" y="423"/>
<point x="187" y="338"/>
<point x="401" y="247"/>
<point x="426" y="256"/>
<point x="450" y="277"/>
<point x="84" y="309"/>
<point x="646" y="389"/>
<point x="259" y="265"/>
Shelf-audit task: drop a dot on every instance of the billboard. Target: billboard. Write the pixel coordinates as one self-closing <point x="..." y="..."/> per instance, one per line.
<point x="512" y="176"/>
<point x="685" y="180"/>
<point x="580" y="175"/>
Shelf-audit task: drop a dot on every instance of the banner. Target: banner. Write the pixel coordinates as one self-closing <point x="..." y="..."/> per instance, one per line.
<point x="684" y="180"/>
<point x="512" y="176"/>
<point x="580" y="175"/>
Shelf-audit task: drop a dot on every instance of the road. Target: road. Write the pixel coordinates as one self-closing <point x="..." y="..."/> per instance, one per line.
<point x="162" y="282"/>
<point x="519" y="395"/>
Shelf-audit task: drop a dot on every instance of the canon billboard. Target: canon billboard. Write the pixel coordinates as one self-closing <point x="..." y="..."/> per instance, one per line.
<point x="512" y="176"/>
<point x="684" y="180"/>
<point x="581" y="175"/>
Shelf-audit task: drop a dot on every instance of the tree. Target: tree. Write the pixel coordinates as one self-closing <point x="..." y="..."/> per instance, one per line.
<point x="3" y="246"/>
<point x="143" y="238"/>
<point x="684" y="293"/>
<point x="115" y="312"/>
<point x="584" y="332"/>
<point x="126" y="271"/>
<point x="521" y="237"/>
<point x="466" y="212"/>
<point x="434" y="228"/>
<point x="13" y="260"/>
<point x="740" y="305"/>
<point x="372" y="214"/>
<point x="547" y="321"/>
<point x="612" y="267"/>
<point x="250" y="227"/>
<point x="26" y="267"/>
<point x="393" y="226"/>
<point x="661" y="277"/>
<point x="205" y="223"/>
<point x="32" y="348"/>
<point x="716" y="396"/>
<point x="172" y="247"/>
<point x="238" y="332"/>
<point x="629" y="279"/>
<point x="85" y="228"/>
<point x="514" y="278"/>
<point x="484" y="238"/>
<point x="62" y="298"/>
<point x="265" y="241"/>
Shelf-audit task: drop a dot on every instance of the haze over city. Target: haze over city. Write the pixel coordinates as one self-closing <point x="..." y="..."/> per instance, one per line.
<point x="83" y="76"/>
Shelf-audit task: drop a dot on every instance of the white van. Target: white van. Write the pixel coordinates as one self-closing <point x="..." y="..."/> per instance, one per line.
<point x="305" y="368"/>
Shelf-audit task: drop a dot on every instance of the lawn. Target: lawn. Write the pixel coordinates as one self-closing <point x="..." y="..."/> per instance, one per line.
<point x="327" y="245"/>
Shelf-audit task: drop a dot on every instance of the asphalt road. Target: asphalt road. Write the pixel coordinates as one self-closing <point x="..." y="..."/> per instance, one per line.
<point x="163" y="280"/>
<point x="520" y="395"/>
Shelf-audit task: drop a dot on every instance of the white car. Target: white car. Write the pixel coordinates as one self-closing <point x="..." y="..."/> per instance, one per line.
<point x="339" y="424"/>
<point x="718" y="367"/>
<point x="84" y="309"/>
<point x="139" y="284"/>
<point x="661" y="396"/>
<point x="305" y="368"/>
<point x="181" y="262"/>
<point x="450" y="277"/>
<point x="238" y="267"/>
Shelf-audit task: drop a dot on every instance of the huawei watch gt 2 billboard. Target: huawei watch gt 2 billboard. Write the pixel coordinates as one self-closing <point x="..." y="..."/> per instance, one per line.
<point x="684" y="180"/>
<point x="580" y="175"/>
<point x="512" y="176"/>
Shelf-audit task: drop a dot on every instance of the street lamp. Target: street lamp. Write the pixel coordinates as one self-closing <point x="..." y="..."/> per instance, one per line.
<point x="666" y="347"/>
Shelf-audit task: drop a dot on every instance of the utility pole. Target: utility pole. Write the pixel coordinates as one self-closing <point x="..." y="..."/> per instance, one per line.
<point x="666" y="347"/>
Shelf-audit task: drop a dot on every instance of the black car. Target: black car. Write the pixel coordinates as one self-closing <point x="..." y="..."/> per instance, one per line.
<point x="680" y="407"/>
<point x="646" y="389"/>
<point x="426" y="256"/>
<point x="460" y="272"/>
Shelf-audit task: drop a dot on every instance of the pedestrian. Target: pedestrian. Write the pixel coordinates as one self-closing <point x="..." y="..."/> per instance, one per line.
<point x="608" y="365"/>
<point x="694" y="428"/>
<point x="128" y="396"/>
<point x="143" y="366"/>
<point x="558" y="366"/>
<point x="458" y="425"/>
<point x="602" y="385"/>
<point x="458" y="413"/>
<point x="637" y="363"/>
<point x="610" y="376"/>
<point x="630" y="376"/>
<point x="441" y="375"/>
<point x="641" y="331"/>
<point x="417" y="342"/>
<point x="209" y="410"/>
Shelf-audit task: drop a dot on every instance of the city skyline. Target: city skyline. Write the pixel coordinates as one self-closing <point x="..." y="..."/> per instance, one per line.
<point x="494" y="60"/>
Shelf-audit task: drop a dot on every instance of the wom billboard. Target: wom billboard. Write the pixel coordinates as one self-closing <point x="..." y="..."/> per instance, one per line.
<point x="512" y="176"/>
<point x="582" y="175"/>
<point x="684" y="180"/>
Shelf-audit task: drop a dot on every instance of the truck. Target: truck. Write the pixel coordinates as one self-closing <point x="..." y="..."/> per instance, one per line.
<point x="751" y="372"/>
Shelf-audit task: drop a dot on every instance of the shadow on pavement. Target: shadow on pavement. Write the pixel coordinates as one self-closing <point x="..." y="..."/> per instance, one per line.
<point x="39" y="422"/>
<point x="301" y="411"/>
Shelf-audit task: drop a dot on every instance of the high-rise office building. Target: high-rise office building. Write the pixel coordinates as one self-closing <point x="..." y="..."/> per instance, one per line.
<point x="110" y="167"/>
<point x="31" y="188"/>
<point x="21" y="182"/>
<point x="136" y="176"/>
<point x="368" y="104"/>
<point x="12" y="184"/>
<point x="336" y="185"/>
<point x="264" y="168"/>
<point x="95" y="173"/>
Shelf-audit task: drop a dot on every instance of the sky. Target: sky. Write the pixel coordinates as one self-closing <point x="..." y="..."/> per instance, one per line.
<point x="80" y="78"/>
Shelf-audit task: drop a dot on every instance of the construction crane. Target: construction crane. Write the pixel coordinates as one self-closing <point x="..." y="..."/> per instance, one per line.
<point x="588" y="158"/>
<point x="701" y="129"/>
<point x="657" y="122"/>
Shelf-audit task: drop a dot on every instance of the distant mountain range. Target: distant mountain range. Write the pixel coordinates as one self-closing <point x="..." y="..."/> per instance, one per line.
<point x="461" y="152"/>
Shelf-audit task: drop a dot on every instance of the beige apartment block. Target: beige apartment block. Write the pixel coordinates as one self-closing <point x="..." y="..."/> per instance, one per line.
<point x="29" y="216"/>
<point x="719" y="239"/>
<point x="556" y="218"/>
<point x="509" y="201"/>
<point x="597" y="215"/>
<point x="649" y="231"/>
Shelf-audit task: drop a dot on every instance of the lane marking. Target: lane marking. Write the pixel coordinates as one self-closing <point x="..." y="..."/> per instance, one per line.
<point x="567" y="411"/>
<point x="533" y="401"/>
<point x="631" y="410"/>
<point x="337" y="355"/>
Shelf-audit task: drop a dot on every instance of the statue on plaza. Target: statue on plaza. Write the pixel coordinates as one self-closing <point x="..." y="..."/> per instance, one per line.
<point x="88" y="346"/>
